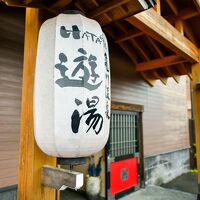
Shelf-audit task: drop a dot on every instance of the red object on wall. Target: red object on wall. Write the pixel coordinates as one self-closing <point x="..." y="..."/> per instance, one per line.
<point x="123" y="175"/>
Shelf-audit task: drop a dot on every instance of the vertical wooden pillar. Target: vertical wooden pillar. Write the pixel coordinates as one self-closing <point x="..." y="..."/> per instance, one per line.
<point x="196" y="99"/>
<point x="31" y="157"/>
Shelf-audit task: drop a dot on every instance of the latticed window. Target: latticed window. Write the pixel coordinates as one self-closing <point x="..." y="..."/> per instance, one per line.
<point x="124" y="133"/>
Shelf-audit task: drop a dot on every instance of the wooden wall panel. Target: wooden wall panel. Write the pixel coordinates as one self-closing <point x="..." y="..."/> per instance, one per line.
<point x="165" y="121"/>
<point x="11" y="61"/>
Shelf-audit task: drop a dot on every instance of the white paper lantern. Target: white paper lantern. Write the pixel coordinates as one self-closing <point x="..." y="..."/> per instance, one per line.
<point x="72" y="87"/>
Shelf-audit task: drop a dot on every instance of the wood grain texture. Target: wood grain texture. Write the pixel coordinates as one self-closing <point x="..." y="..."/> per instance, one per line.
<point x="165" y="122"/>
<point x="127" y="107"/>
<point x="159" y="63"/>
<point x="165" y="33"/>
<point x="11" y="61"/>
<point x="57" y="178"/>
<point x="31" y="157"/>
<point x="196" y="100"/>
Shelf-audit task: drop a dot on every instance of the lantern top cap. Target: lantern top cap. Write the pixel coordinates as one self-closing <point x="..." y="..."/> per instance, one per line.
<point x="73" y="12"/>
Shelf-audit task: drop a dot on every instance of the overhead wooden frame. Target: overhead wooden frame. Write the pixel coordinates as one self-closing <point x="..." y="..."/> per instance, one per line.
<point x="107" y="13"/>
<point x="165" y="33"/>
<point x="160" y="62"/>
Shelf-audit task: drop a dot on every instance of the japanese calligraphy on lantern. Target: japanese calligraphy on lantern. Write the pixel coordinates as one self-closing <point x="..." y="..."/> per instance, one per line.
<point x="72" y="87"/>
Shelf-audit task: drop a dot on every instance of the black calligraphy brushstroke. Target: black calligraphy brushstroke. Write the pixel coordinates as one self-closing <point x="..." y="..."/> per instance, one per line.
<point x="78" y="102"/>
<point x="66" y="33"/>
<point x="94" y="37"/>
<point x="93" y="65"/>
<point x="60" y="66"/>
<point x="83" y="81"/>
<point x="94" y="120"/>
<point x="106" y="62"/>
<point x="93" y="102"/>
<point x="76" y="34"/>
<point x="75" y="121"/>
<point x="66" y="82"/>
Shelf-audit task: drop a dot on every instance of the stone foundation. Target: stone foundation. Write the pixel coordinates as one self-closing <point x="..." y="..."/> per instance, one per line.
<point x="8" y="193"/>
<point x="163" y="168"/>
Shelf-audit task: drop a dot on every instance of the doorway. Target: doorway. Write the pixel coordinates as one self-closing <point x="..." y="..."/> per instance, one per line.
<point x="124" y="151"/>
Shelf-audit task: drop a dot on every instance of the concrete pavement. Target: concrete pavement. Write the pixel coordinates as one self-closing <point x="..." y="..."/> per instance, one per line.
<point x="186" y="183"/>
<point x="159" y="193"/>
<point x="180" y="188"/>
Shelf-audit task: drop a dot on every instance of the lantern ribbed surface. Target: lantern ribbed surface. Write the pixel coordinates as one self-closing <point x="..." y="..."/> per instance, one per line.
<point x="72" y="87"/>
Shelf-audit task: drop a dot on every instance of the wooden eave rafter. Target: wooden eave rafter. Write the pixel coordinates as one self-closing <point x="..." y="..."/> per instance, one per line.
<point x="148" y="79"/>
<point x="184" y="14"/>
<point x="160" y="64"/>
<point x="165" y="33"/>
<point x="55" y="7"/>
<point x="197" y="4"/>
<point x="173" y="6"/>
<point x="106" y="8"/>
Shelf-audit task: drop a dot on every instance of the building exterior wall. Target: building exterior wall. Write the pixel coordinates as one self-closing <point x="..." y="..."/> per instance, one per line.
<point x="165" y="119"/>
<point x="11" y="59"/>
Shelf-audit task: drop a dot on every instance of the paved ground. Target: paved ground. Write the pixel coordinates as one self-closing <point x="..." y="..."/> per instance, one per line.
<point x="186" y="183"/>
<point x="181" y="188"/>
<point x="149" y="193"/>
<point x="159" y="193"/>
<point x="69" y="194"/>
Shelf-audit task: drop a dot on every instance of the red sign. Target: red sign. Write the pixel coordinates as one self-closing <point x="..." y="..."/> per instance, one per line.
<point x="123" y="175"/>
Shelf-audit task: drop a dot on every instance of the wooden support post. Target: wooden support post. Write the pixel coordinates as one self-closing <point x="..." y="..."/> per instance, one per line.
<point x="31" y="157"/>
<point x="196" y="99"/>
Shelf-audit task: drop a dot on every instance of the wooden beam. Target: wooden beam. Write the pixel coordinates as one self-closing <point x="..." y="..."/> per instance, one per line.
<point x="169" y="70"/>
<point x="197" y="4"/>
<point x="173" y="6"/>
<point x="179" y="26"/>
<point x="106" y="7"/>
<point x="166" y="69"/>
<point x="105" y="14"/>
<point x="184" y="14"/>
<point x="121" y="26"/>
<point x="158" y="76"/>
<point x="14" y="3"/>
<point x="59" y="5"/>
<point x="158" y="28"/>
<point x="184" y="69"/>
<point x="196" y="104"/>
<point x="31" y="157"/>
<point x="189" y="33"/>
<point x="128" y="36"/>
<point x="140" y="48"/>
<point x="129" y="51"/>
<point x="159" y="63"/>
<point x="118" y="10"/>
<point x="158" y="7"/>
<point x="149" y="80"/>
<point x="79" y="5"/>
<point x="155" y="46"/>
<point x="55" y="8"/>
